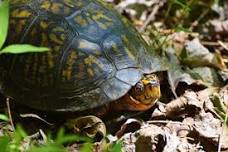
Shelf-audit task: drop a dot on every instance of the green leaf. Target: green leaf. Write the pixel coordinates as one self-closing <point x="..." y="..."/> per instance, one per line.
<point x="117" y="147"/>
<point x="48" y="148"/>
<point x="87" y="147"/>
<point x="64" y="138"/>
<point x="22" y="48"/>
<point x="4" y="20"/>
<point x="4" y="142"/>
<point x="4" y="117"/>
<point x="219" y="107"/>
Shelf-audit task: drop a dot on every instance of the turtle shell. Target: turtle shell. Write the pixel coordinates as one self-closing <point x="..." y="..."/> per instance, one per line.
<point x="95" y="55"/>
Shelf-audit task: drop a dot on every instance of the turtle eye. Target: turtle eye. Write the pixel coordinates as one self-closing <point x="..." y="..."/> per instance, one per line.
<point x="139" y="87"/>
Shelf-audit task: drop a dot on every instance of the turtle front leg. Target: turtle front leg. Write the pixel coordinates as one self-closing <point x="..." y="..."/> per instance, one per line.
<point x="90" y="126"/>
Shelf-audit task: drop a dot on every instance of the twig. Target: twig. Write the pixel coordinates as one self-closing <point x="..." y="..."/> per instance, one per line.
<point x="150" y="18"/>
<point x="43" y="135"/>
<point x="207" y="43"/>
<point x="224" y="45"/>
<point x="9" y="112"/>
<point x="31" y="115"/>
<point x="35" y="135"/>
<point x="168" y="121"/>
<point x="196" y="22"/>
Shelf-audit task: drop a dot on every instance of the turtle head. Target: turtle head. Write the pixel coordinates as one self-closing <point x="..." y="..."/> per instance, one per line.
<point x="146" y="91"/>
<point x="142" y="96"/>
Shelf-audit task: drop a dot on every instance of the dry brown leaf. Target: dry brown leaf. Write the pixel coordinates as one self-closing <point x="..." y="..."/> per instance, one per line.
<point x="131" y="125"/>
<point x="195" y="100"/>
<point x="205" y="75"/>
<point x="175" y="72"/>
<point x="195" y="55"/>
<point x="220" y="27"/>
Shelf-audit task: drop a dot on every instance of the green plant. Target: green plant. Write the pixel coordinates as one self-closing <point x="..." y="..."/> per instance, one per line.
<point x="57" y="144"/>
<point x="4" y="117"/>
<point x="19" y="141"/>
<point x="13" y="48"/>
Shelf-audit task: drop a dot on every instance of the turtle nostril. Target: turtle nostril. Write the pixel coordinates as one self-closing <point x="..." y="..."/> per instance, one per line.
<point x="154" y="83"/>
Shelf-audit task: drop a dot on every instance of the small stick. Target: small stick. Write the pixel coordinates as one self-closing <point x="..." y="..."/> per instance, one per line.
<point x="150" y="18"/>
<point x="207" y="43"/>
<point x="9" y="112"/>
<point x="37" y="117"/>
<point x="43" y="135"/>
<point x="168" y="121"/>
<point x="224" y="45"/>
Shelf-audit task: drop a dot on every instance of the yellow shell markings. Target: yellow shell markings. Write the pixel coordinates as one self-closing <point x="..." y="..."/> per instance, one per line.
<point x="67" y="72"/>
<point x="49" y="54"/>
<point x="50" y="60"/>
<point x="129" y="54"/>
<point x="21" y="23"/>
<point x="125" y="40"/>
<point x="46" y="64"/>
<point x="57" y="39"/>
<point x="126" y="22"/>
<point x="82" y="45"/>
<point x="46" y="5"/>
<point x="33" y="66"/>
<point x="90" y="60"/>
<point x="39" y="66"/>
<point x="116" y="50"/>
<point x="20" y="13"/>
<point x="79" y="3"/>
<point x="97" y="52"/>
<point x="27" y="67"/>
<point x="80" y="74"/>
<point x="70" y="4"/>
<point x="20" y="26"/>
<point x="81" y="21"/>
<point x="127" y="47"/>
<point x="90" y="72"/>
<point x="43" y="24"/>
<point x="114" y="47"/>
<point x="44" y="39"/>
<point x="56" y="7"/>
<point x="43" y="64"/>
<point x="101" y="19"/>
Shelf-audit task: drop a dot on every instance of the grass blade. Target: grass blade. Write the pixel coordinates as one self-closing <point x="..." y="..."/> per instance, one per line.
<point x="4" y="20"/>
<point x="4" y="117"/>
<point x="22" y="48"/>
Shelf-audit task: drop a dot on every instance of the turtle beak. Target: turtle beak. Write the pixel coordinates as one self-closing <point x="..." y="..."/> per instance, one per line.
<point x="154" y="83"/>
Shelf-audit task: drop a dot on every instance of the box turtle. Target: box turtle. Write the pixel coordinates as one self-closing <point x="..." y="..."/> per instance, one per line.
<point x="96" y="57"/>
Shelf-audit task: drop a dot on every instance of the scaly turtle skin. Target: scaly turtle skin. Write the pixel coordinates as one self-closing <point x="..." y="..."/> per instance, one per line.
<point x="95" y="57"/>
